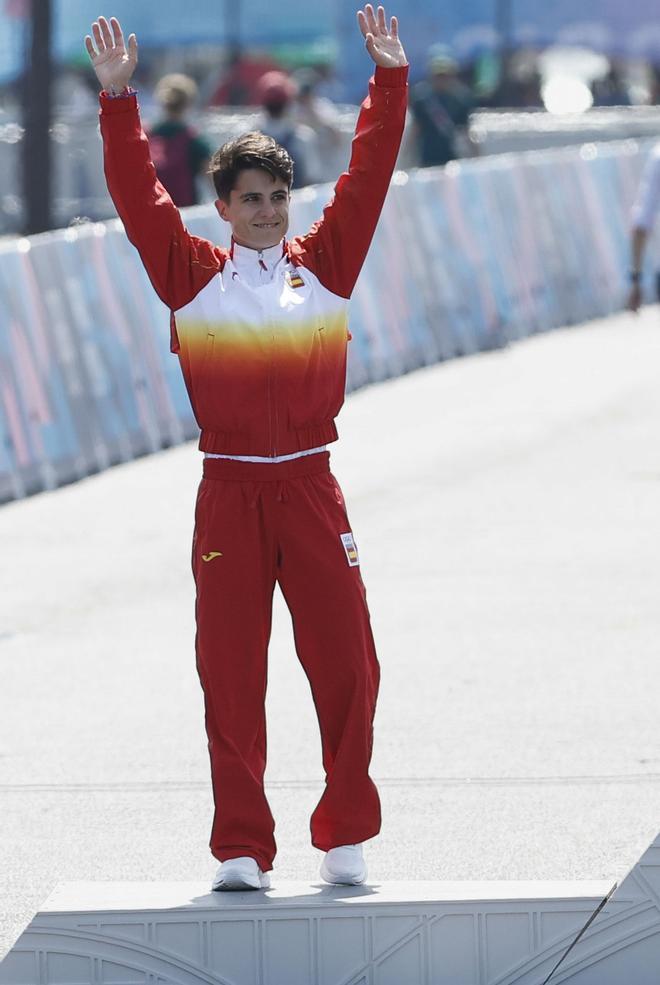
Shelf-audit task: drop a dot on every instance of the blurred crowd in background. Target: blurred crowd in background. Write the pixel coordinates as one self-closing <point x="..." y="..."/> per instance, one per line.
<point x="193" y="97"/>
<point x="307" y="105"/>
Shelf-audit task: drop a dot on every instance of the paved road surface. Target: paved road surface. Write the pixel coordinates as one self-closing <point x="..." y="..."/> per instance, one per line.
<point x="507" y="509"/>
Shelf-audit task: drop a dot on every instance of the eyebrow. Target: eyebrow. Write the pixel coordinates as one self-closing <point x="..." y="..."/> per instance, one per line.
<point x="278" y="191"/>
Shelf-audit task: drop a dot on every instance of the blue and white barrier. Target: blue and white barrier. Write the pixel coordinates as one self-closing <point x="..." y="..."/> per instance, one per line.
<point x="465" y="258"/>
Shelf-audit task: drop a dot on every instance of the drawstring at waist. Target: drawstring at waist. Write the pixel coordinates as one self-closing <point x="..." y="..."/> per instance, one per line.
<point x="254" y="495"/>
<point x="230" y="470"/>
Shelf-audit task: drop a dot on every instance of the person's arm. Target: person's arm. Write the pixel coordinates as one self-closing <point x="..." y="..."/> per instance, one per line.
<point x="336" y="246"/>
<point x="321" y="115"/>
<point x="638" y="239"/>
<point x="178" y="264"/>
<point x="200" y="161"/>
<point x="644" y="214"/>
<point x="200" y="154"/>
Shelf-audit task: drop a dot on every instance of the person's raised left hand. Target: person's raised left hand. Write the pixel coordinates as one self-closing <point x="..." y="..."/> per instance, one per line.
<point x="112" y="61"/>
<point x="381" y="42"/>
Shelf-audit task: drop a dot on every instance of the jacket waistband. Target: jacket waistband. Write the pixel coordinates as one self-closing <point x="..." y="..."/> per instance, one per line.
<point x="231" y="470"/>
<point x="236" y="443"/>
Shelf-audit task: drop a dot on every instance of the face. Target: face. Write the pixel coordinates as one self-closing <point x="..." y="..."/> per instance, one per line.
<point x="442" y="80"/>
<point x="258" y="209"/>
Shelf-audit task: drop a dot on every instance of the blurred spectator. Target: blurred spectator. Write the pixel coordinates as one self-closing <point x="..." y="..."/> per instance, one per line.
<point x="643" y="218"/>
<point x="611" y="90"/>
<point x="277" y="95"/>
<point x="179" y="154"/>
<point x="654" y="85"/>
<point x="317" y="112"/>
<point x="76" y="92"/>
<point x="328" y="84"/>
<point x="523" y="92"/>
<point x="520" y="81"/>
<point x="441" y="108"/>
<point x="239" y="82"/>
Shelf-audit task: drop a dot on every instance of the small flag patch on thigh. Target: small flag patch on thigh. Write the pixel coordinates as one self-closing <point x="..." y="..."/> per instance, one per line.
<point x="351" y="549"/>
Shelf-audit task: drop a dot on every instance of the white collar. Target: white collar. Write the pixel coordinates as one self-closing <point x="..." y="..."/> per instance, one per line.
<point x="247" y="259"/>
<point x="256" y="267"/>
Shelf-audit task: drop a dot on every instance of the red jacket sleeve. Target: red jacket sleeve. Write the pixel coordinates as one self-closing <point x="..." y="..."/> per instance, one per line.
<point x="179" y="264"/>
<point x="336" y="246"/>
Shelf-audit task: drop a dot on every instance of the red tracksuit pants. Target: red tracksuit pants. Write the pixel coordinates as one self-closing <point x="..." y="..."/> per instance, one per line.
<point x="255" y="524"/>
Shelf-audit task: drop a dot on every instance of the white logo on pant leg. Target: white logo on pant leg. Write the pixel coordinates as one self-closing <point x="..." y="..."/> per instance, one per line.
<point x="351" y="549"/>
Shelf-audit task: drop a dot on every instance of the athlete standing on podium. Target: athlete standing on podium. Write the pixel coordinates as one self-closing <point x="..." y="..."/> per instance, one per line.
<point x="261" y="333"/>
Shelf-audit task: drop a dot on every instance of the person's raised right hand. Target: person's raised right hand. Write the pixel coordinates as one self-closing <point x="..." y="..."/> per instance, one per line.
<point x="113" y="63"/>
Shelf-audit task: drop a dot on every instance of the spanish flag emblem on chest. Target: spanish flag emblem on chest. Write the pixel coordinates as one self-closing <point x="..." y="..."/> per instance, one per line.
<point x="294" y="279"/>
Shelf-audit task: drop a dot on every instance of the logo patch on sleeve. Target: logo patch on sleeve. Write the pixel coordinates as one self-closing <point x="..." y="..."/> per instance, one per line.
<point x="350" y="549"/>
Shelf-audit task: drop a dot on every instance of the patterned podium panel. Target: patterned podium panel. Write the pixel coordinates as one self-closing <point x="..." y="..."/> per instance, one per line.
<point x="295" y="934"/>
<point x="622" y="944"/>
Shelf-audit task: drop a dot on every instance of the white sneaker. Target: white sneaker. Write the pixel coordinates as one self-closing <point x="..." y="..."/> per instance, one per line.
<point x="344" y="866"/>
<point x="240" y="873"/>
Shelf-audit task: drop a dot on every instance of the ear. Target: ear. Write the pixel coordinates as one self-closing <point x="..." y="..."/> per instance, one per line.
<point x="221" y="208"/>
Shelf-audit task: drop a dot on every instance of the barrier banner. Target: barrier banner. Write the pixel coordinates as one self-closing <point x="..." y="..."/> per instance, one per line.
<point x="466" y="258"/>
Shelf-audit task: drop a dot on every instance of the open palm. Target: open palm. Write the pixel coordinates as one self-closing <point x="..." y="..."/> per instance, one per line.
<point x="113" y="63"/>
<point x="382" y="43"/>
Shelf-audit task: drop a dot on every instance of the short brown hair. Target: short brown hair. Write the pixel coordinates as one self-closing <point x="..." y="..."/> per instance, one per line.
<point x="251" y="150"/>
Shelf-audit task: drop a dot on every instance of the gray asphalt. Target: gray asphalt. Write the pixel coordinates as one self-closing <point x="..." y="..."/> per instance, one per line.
<point x="507" y="511"/>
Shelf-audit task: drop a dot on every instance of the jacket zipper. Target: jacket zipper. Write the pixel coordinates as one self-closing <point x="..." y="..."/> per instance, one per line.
<point x="271" y="438"/>
<point x="274" y="398"/>
<point x="272" y="409"/>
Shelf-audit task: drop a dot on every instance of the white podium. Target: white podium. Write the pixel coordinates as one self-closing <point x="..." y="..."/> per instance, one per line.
<point x="419" y="933"/>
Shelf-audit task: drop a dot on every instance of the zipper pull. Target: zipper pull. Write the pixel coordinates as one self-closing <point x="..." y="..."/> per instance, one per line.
<point x="261" y="261"/>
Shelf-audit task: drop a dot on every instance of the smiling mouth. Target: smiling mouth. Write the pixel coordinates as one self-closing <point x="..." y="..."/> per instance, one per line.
<point x="266" y="225"/>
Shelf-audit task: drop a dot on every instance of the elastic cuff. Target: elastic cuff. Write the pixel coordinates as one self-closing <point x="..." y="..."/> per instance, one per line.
<point x="391" y="78"/>
<point x="124" y="102"/>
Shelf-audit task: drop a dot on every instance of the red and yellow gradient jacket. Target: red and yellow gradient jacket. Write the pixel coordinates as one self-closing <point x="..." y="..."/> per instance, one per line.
<point x="264" y="365"/>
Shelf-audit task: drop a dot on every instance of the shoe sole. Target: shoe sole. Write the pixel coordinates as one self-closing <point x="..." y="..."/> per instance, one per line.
<point x="233" y="882"/>
<point x="336" y="880"/>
